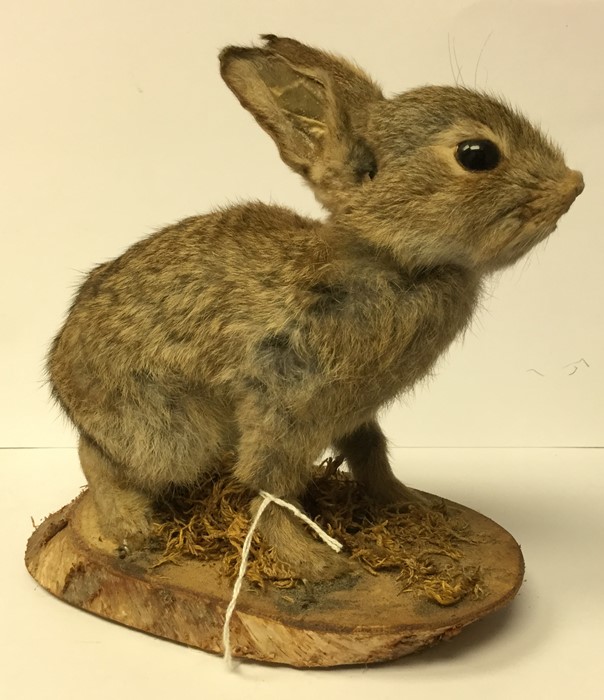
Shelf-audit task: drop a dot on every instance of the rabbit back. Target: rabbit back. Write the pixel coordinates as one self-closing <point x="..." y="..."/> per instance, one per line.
<point x="165" y="344"/>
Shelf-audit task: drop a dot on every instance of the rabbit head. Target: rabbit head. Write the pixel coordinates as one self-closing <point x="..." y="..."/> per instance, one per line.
<point x="433" y="176"/>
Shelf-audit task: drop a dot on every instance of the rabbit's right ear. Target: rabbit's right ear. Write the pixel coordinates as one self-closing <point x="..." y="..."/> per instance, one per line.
<point x="311" y="103"/>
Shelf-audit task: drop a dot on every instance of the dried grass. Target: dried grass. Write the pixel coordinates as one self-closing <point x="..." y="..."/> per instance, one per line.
<point x="421" y="546"/>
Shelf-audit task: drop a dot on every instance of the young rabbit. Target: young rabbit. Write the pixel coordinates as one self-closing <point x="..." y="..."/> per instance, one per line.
<point x="260" y="332"/>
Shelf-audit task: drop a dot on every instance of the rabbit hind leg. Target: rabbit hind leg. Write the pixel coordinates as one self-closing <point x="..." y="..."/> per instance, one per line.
<point x="124" y="512"/>
<point x="156" y="452"/>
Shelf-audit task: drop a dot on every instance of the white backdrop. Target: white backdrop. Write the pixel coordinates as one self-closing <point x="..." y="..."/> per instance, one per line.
<point x="114" y="121"/>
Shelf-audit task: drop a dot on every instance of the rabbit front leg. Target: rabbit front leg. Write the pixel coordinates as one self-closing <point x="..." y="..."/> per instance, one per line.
<point x="124" y="513"/>
<point x="277" y="458"/>
<point x="365" y="451"/>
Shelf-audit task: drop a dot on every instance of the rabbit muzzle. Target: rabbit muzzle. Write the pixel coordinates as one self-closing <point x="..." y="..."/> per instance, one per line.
<point x="572" y="186"/>
<point x="534" y="220"/>
<point x="558" y="199"/>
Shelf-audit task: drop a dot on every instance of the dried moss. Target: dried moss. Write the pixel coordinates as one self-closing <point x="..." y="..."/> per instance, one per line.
<point x="421" y="546"/>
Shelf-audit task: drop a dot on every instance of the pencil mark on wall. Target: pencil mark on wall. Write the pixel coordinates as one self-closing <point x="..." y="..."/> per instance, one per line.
<point x="571" y="368"/>
<point x="575" y="366"/>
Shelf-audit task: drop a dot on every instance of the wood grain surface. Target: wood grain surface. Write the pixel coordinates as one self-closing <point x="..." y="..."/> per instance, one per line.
<point x="355" y="620"/>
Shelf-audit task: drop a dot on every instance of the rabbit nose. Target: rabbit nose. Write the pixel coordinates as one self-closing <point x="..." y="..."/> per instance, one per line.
<point x="576" y="181"/>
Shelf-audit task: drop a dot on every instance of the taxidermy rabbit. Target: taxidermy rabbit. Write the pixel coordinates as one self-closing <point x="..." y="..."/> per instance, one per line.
<point x="257" y="331"/>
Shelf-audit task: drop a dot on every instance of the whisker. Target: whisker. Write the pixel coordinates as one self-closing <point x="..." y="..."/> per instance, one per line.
<point x="459" y="75"/>
<point x="451" y="59"/>
<point x="486" y="41"/>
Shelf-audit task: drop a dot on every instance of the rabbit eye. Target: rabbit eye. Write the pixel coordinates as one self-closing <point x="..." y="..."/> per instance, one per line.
<point x="478" y="154"/>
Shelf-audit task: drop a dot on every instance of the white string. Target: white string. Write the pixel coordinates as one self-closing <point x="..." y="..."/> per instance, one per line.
<point x="267" y="498"/>
<point x="330" y="541"/>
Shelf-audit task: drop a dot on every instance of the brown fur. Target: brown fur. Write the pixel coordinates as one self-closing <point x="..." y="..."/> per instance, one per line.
<point x="256" y="331"/>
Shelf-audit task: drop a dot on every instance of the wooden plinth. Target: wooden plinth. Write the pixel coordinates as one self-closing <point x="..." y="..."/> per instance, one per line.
<point x="356" y="620"/>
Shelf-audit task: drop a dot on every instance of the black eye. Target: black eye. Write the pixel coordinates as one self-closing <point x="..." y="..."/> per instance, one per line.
<point x="478" y="154"/>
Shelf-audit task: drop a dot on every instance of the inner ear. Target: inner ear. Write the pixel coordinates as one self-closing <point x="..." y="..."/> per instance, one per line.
<point x="292" y="90"/>
<point x="312" y="104"/>
<point x="302" y="98"/>
<point x="293" y="105"/>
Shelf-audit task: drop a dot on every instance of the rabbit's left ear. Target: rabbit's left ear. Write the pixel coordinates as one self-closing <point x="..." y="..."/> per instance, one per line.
<point x="311" y="103"/>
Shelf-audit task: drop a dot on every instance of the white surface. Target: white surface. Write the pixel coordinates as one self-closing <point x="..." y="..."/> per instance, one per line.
<point x="115" y="121"/>
<point x="548" y="643"/>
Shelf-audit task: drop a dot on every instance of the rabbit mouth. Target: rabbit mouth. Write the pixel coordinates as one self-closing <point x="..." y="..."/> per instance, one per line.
<point x="521" y="244"/>
<point x="527" y="225"/>
<point x="538" y="218"/>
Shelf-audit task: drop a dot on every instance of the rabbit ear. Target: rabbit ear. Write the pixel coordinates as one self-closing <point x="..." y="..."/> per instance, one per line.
<point x="311" y="103"/>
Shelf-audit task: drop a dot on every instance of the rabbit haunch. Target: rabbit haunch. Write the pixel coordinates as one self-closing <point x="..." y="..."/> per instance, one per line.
<point x="258" y="332"/>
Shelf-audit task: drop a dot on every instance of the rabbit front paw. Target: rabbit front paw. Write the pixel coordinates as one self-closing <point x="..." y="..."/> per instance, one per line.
<point x="316" y="562"/>
<point x="305" y="557"/>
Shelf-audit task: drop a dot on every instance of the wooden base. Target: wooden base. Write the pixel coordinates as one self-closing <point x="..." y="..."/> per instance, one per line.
<point x="351" y="621"/>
